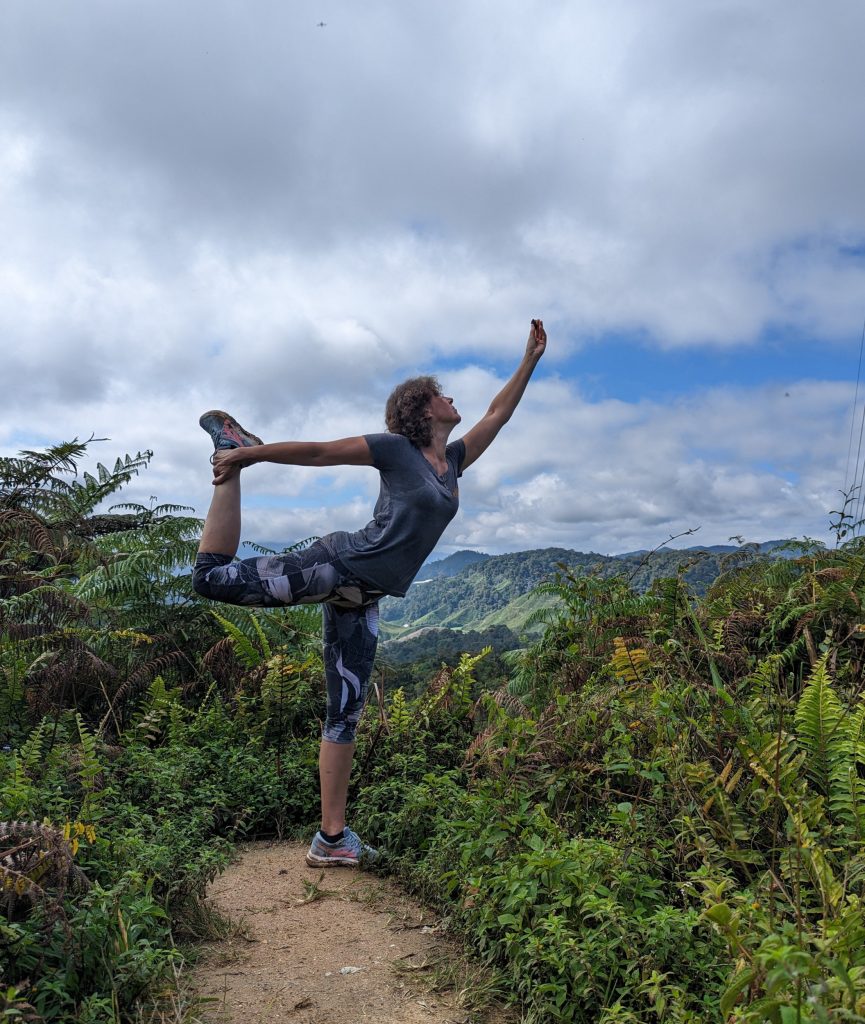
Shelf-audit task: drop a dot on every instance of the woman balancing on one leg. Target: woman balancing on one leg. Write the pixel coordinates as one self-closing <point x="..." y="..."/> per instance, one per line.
<point x="349" y="572"/>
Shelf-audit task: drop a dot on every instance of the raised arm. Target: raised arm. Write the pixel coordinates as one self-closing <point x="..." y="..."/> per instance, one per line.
<point x="481" y="435"/>
<point x="348" y="451"/>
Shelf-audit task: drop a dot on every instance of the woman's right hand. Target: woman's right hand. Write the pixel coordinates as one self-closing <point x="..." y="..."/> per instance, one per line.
<point x="537" y="343"/>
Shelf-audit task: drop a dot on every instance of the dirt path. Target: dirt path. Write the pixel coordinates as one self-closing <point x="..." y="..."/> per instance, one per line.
<point x="344" y="948"/>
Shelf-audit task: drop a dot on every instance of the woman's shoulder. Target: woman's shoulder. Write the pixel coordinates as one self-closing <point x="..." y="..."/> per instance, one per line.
<point x="387" y="440"/>
<point x="456" y="453"/>
<point x="387" y="448"/>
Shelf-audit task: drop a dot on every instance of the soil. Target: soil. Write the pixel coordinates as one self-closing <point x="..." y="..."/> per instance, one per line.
<point x="343" y="948"/>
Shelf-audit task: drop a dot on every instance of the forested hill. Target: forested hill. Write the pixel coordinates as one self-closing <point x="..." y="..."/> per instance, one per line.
<point x="496" y="590"/>
<point x="451" y="565"/>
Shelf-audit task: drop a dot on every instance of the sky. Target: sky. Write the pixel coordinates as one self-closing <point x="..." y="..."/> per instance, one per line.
<point x="220" y="205"/>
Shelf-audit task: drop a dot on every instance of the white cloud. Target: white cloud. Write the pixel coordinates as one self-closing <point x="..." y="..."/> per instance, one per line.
<point x="602" y="476"/>
<point x="223" y="206"/>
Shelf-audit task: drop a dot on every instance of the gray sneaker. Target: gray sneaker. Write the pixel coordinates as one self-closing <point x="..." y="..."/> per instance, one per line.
<point x="350" y="851"/>
<point x="226" y="431"/>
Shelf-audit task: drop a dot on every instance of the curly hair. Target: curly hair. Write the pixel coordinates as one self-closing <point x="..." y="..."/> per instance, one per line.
<point x="406" y="408"/>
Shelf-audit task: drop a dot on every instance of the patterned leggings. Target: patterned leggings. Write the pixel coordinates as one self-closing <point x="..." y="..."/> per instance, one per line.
<point x="312" y="576"/>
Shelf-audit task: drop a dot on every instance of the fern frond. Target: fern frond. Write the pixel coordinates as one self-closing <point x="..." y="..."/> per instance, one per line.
<point x="630" y="664"/>
<point x="262" y="639"/>
<point x="32" y="750"/>
<point x="89" y="772"/>
<point x="818" y="719"/>
<point x="129" y="690"/>
<point x="398" y="718"/>
<point x="244" y="649"/>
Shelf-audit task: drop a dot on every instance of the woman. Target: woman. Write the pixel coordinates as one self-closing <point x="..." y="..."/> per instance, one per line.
<point x="349" y="572"/>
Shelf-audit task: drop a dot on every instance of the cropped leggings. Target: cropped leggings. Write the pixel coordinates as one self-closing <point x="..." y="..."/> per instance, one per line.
<point x="312" y="576"/>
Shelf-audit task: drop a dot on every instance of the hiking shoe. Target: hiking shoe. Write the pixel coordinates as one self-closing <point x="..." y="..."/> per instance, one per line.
<point x="349" y="851"/>
<point x="226" y="431"/>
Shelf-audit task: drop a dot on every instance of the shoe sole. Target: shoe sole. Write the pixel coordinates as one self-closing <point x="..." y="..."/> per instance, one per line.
<point x="331" y="862"/>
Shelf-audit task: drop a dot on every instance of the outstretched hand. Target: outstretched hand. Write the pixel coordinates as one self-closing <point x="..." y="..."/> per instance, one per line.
<point x="537" y="342"/>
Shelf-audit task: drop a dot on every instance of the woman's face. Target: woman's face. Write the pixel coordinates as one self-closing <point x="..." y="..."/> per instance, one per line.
<point x="441" y="409"/>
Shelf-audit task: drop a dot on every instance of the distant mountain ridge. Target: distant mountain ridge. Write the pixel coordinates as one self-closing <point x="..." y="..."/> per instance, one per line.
<point x="764" y="547"/>
<point x="451" y="565"/>
<point x="471" y="591"/>
<point x="497" y="590"/>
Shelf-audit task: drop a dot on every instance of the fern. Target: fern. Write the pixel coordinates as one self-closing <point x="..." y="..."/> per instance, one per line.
<point x="33" y="859"/>
<point x="399" y="718"/>
<point x="777" y="765"/>
<point x="804" y="861"/>
<point x="818" y="718"/>
<point x="630" y="664"/>
<point x="243" y="638"/>
<point x="285" y="691"/>
<point x="262" y="639"/>
<point x="243" y="647"/>
<point x="463" y="678"/>
<point x="723" y="817"/>
<point x="451" y="688"/>
<point x="835" y="743"/>
<point x="32" y="752"/>
<point x="89" y="773"/>
<point x="160" y="704"/>
<point x="19" y="793"/>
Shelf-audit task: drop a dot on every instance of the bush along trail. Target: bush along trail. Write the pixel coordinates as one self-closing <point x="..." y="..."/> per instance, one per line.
<point x="658" y="814"/>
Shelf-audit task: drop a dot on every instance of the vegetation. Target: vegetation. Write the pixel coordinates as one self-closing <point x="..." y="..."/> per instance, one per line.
<point x="140" y="735"/>
<point x="662" y="817"/>
<point x="411" y="661"/>
<point x="474" y="593"/>
<point x="450" y="565"/>
<point x="659" y="815"/>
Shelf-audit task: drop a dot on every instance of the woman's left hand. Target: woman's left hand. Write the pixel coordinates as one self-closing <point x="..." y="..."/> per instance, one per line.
<point x="537" y="342"/>
<point x="226" y="464"/>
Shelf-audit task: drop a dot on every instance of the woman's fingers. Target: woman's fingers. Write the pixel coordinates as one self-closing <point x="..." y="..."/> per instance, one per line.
<point x="537" y="338"/>
<point x="224" y="466"/>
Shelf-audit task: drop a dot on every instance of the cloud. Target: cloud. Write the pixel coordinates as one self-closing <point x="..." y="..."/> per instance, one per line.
<point x="609" y="476"/>
<point x="604" y="476"/>
<point x="223" y="206"/>
<point x="628" y="168"/>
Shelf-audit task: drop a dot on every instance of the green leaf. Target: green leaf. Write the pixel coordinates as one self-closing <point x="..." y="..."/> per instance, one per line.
<point x="719" y="914"/>
<point x="736" y="987"/>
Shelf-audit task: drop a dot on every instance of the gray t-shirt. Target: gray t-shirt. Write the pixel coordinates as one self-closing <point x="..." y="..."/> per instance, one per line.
<point x="414" y="506"/>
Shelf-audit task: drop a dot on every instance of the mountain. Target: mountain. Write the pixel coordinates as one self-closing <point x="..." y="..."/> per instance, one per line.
<point x="437" y="643"/>
<point x="481" y="594"/>
<point x="451" y="565"/>
<point x="791" y="549"/>
<point x="470" y="591"/>
<point x="497" y="589"/>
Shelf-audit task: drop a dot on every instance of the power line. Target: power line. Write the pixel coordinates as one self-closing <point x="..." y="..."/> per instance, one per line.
<point x="856" y="488"/>
<point x="853" y="417"/>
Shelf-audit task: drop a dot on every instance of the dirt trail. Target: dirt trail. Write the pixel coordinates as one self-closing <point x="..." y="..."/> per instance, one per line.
<point x="343" y="958"/>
